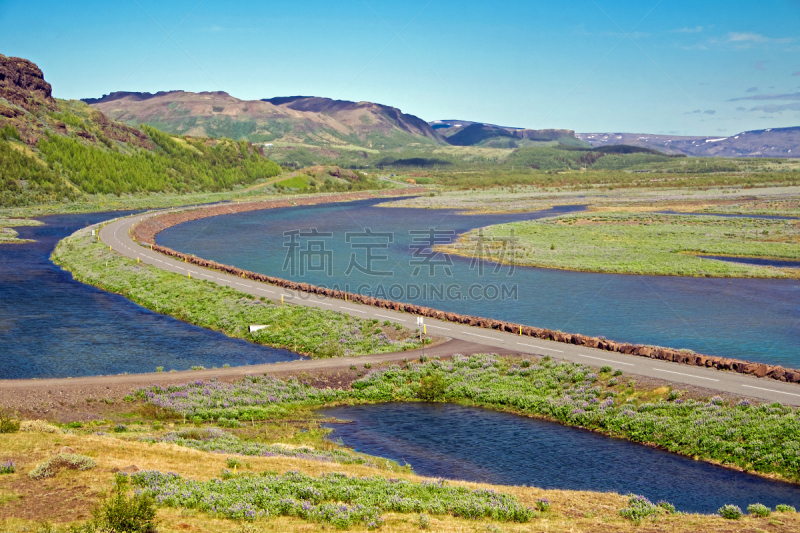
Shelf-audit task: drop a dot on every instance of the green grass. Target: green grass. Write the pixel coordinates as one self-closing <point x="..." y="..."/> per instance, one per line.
<point x="8" y="235"/>
<point x="649" y="244"/>
<point x="310" y="331"/>
<point x="297" y="182"/>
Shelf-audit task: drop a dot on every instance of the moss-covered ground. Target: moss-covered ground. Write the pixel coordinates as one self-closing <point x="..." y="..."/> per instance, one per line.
<point x="644" y="244"/>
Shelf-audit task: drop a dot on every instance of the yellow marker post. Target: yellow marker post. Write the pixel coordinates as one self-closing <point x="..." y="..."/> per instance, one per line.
<point x="424" y="329"/>
<point x="137" y="259"/>
<point x="281" y="298"/>
<point x="190" y="275"/>
<point x="520" y="330"/>
<point x="109" y="247"/>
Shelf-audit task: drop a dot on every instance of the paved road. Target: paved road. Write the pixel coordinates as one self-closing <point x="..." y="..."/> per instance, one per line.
<point x="116" y="234"/>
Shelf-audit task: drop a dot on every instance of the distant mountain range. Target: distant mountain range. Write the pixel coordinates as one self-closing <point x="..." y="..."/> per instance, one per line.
<point x="309" y="120"/>
<point x="293" y="119"/>
<point x="327" y="123"/>
<point x="773" y="142"/>
<point x="467" y="133"/>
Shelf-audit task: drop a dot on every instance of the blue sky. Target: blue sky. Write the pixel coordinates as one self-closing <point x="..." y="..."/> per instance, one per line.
<point x="669" y="66"/>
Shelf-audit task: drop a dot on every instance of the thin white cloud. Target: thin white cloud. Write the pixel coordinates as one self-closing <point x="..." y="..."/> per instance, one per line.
<point x="696" y="29"/>
<point x="737" y="37"/>
<point x="743" y="41"/>
<point x="776" y="108"/>
<point x="792" y="96"/>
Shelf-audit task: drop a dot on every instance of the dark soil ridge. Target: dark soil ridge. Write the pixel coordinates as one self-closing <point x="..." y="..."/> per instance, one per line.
<point x="146" y="231"/>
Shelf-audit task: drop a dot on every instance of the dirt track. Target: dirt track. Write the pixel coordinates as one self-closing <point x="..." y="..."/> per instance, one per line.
<point x="96" y="397"/>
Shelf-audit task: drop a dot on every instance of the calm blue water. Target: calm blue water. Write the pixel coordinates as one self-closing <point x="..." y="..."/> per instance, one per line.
<point x="451" y="441"/>
<point x="751" y="319"/>
<point x="53" y="326"/>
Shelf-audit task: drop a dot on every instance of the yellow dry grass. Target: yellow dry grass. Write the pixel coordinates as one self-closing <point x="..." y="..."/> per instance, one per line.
<point x="572" y="511"/>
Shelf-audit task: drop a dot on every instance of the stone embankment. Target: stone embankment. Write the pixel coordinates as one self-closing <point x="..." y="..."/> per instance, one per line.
<point x="146" y="231"/>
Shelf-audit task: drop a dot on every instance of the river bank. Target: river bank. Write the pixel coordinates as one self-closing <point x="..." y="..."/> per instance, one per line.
<point x="147" y="231"/>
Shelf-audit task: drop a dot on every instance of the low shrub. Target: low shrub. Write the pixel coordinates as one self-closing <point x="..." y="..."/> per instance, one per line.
<point x="8" y="422"/>
<point x="122" y="513"/>
<point x="731" y="512"/>
<point x="783" y="508"/>
<point x="38" y="426"/>
<point x="759" y="510"/>
<point x="431" y="387"/>
<point x="8" y="467"/>
<point x="668" y="507"/>
<point x="543" y="505"/>
<point x="228" y="422"/>
<point x="640" y="508"/>
<point x="423" y="521"/>
<point x="71" y="461"/>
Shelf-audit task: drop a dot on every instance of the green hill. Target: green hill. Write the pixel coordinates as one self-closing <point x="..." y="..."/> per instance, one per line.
<point x="58" y="151"/>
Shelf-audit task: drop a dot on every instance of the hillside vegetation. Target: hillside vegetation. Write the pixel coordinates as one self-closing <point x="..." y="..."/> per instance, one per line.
<point x="63" y="167"/>
<point x="59" y="151"/>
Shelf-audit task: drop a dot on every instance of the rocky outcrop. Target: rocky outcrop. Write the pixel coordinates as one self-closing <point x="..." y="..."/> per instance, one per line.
<point x="146" y="231"/>
<point x="22" y="83"/>
<point x="118" y="131"/>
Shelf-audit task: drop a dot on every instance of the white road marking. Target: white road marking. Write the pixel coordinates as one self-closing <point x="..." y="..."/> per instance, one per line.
<point x="354" y="310"/>
<point x="606" y="360"/>
<point x="682" y="374"/>
<point x="539" y="347"/>
<point x="389" y="318"/>
<point x="324" y="303"/>
<point x="770" y="390"/>
<point x="484" y="336"/>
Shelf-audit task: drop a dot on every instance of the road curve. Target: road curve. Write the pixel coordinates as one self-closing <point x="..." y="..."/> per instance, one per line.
<point x="116" y="234"/>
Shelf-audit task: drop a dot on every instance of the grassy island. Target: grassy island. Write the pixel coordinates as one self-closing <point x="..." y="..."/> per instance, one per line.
<point x="644" y="244"/>
<point x="8" y="235"/>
